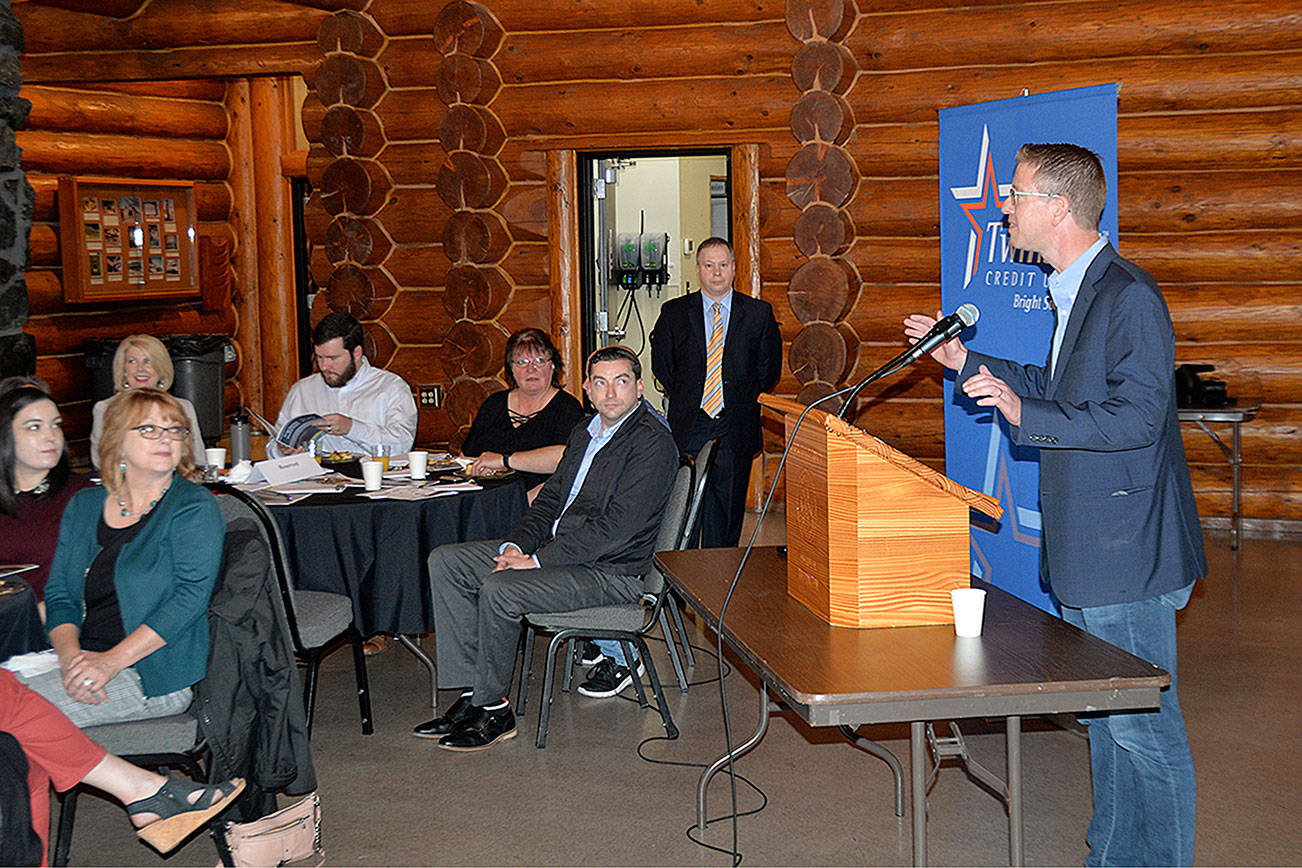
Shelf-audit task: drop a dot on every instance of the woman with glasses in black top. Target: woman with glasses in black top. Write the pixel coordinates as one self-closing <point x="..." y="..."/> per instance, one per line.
<point x="525" y="428"/>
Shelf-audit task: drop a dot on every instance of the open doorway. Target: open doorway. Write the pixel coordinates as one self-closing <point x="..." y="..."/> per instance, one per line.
<point x="641" y="217"/>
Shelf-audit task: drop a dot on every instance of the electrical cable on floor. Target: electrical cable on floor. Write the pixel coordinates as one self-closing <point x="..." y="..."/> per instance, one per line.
<point x="723" y="611"/>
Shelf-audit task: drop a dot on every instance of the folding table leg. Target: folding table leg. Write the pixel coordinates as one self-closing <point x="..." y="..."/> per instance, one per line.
<point x="414" y="647"/>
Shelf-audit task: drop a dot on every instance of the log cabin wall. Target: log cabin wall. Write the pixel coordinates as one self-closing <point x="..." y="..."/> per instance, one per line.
<point x="173" y="132"/>
<point x="479" y="100"/>
<point x="1210" y="165"/>
<point x="160" y="91"/>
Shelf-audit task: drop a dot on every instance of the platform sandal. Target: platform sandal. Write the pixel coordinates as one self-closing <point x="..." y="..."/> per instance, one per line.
<point x="177" y="817"/>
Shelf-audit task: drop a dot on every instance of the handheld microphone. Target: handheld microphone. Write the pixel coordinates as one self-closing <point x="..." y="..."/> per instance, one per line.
<point x="943" y="330"/>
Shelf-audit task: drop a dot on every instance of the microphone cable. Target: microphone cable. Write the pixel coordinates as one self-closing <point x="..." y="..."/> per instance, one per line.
<point x="723" y="611"/>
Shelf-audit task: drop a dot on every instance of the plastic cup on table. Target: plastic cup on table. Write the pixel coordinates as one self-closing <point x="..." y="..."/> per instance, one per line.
<point x="372" y="474"/>
<point x="382" y="453"/>
<point x="969" y="610"/>
<point x="418" y="461"/>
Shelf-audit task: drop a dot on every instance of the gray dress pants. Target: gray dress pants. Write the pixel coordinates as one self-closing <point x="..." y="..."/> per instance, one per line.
<point x="477" y="612"/>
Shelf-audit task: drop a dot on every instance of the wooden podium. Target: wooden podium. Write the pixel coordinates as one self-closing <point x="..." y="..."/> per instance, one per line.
<point x="874" y="538"/>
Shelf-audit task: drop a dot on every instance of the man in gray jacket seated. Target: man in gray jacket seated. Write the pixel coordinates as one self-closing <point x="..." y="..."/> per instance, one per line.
<point x="587" y="540"/>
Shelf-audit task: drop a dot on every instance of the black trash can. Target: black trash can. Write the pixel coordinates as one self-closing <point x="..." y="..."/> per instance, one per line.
<point x="99" y="361"/>
<point x="200" y="366"/>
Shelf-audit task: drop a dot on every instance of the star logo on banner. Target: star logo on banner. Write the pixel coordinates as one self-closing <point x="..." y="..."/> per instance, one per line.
<point x="975" y="199"/>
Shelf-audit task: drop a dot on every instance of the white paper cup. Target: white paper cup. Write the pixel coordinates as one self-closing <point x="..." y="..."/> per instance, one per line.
<point x="372" y="474"/>
<point x="215" y="457"/>
<point x="969" y="608"/>
<point x="418" y="461"/>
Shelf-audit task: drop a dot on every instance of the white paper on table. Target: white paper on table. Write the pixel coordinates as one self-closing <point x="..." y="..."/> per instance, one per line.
<point x="421" y="492"/>
<point x="308" y="488"/>
<point x="32" y="664"/>
<point x="291" y="468"/>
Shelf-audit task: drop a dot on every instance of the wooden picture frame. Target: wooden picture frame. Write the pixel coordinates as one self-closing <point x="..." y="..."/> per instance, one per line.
<point x="125" y="240"/>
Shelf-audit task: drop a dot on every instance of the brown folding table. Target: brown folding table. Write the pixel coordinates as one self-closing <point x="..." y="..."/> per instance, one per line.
<point x="1026" y="662"/>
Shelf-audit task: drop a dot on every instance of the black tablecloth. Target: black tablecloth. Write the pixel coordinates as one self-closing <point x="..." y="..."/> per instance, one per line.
<point x="20" y="623"/>
<point x="375" y="550"/>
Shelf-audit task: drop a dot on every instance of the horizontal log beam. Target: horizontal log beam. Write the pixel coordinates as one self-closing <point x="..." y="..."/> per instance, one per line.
<point x="63" y="333"/>
<point x="629" y="53"/>
<point x="417" y="17"/>
<point x="1053" y="32"/>
<point x="1149" y="202"/>
<point x="1219" y="257"/>
<point x="1228" y="312"/>
<point x="415" y="163"/>
<point x="235" y="61"/>
<point x="1256" y="139"/>
<point x="1149" y="84"/>
<point x="125" y="156"/>
<point x="66" y="110"/>
<point x="108" y="8"/>
<point x="174" y="24"/>
<point x="207" y="90"/>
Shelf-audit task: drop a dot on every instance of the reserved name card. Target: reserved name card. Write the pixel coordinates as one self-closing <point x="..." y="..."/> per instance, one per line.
<point x="291" y="468"/>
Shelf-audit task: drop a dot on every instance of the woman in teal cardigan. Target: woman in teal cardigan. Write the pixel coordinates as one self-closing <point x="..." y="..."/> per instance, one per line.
<point x="127" y="598"/>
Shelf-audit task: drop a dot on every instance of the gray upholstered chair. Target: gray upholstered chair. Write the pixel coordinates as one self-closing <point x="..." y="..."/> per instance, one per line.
<point x="626" y="622"/>
<point x="317" y="619"/>
<point x="701" y="471"/>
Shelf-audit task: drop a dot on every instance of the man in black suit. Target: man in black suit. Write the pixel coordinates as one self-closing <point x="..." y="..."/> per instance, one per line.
<point x="731" y="342"/>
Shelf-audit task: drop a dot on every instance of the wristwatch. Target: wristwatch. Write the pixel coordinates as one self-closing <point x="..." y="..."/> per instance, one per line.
<point x="506" y="460"/>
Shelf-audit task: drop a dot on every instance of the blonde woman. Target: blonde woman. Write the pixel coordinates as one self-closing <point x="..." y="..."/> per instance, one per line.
<point x="127" y="598"/>
<point x="142" y="362"/>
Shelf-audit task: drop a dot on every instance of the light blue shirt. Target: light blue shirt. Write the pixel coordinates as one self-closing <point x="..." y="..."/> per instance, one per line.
<point x="599" y="435"/>
<point x="1064" y="286"/>
<point x="725" y="314"/>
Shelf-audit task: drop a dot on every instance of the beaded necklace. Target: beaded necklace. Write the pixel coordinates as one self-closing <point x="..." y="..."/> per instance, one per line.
<point x="122" y="504"/>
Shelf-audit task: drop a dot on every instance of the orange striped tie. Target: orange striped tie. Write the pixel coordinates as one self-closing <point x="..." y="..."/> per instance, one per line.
<point x="713" y="401"/>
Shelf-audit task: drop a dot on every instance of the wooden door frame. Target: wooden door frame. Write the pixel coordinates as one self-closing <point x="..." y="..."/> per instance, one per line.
<point x="564" y="271"/>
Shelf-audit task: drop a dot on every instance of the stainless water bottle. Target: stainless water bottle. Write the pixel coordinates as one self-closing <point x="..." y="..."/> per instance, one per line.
<point x="241" y="448"/>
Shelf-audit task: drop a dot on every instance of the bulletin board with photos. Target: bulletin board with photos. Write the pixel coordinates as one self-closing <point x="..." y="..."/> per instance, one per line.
<point x="127" y="240"/>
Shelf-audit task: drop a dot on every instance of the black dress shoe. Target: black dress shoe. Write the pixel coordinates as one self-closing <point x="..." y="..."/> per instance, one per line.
<point x="461" y="711"/>
<point x="483" y="731"/>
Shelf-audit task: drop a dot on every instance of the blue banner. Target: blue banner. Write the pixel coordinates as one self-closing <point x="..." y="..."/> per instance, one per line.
<point x="978" y="144"/>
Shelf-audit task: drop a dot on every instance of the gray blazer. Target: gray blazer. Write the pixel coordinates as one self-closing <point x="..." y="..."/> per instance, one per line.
<point x="1120" y="524"/>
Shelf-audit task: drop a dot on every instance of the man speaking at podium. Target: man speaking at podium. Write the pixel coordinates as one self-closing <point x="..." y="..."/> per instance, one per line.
<point x="1121" y="545"/>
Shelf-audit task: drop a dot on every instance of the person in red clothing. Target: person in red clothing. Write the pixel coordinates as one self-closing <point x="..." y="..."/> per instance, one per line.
<point x="35" y="482"/>
<point x="164" y="810"/>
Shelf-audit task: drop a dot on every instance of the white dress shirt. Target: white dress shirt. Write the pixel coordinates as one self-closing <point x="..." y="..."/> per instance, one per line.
<point x="379" y="402"/>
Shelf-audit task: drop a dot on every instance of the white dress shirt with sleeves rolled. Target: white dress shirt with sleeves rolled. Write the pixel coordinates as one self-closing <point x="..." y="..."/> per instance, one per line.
<point x="379" y="402"/>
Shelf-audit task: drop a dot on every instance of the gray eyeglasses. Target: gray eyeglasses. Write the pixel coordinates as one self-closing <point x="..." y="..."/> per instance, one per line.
<point x="156" y="432"/>
<point x="1018" y="195"/>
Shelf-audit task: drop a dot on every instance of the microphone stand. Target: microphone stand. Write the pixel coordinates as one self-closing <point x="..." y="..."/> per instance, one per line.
<point x="884" y="371"/>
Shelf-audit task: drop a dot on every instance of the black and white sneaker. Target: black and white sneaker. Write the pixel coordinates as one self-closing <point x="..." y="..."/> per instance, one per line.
<point x="609" y="678"/>
<point x="590" y="654"/>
